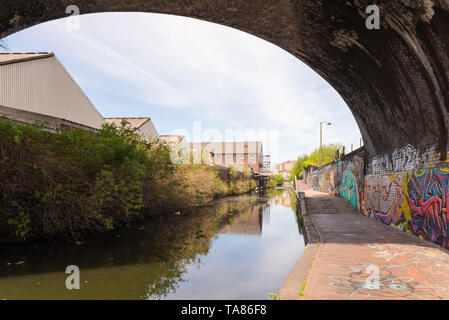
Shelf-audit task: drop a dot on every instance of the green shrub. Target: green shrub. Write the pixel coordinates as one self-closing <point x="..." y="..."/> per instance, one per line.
<point x="77" y="182"/>
<point x="275" y="180"/>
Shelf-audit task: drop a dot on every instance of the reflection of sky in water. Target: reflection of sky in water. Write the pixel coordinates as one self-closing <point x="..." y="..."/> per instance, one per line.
<point x="146" y="264"/>
<point x="242" y="266"/>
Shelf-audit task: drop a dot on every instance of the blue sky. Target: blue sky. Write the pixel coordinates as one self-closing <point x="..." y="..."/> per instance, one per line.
<point x="184" y="72"/>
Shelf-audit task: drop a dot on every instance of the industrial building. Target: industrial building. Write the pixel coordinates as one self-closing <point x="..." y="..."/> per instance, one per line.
<point x="37" y="87"/>
<point x="141" y="125"/>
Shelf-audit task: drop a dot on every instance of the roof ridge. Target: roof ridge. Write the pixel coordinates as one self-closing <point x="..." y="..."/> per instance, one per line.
<point x="29" y="52"/>
<point x="127" y="117"/>
<point x="16" y="57"/>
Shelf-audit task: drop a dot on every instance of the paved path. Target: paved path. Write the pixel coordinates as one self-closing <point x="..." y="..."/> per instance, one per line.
<point x="356" y="250"/>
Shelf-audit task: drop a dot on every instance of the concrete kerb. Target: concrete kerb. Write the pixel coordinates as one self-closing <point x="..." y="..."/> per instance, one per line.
<point x="311" y="232"/>
<point x="294" y="285"/>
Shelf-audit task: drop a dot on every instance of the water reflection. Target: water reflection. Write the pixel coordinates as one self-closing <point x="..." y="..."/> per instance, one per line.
<point x="281" y="198"/>
<point x="236" y="248"/>
<point x="245" y="223"/>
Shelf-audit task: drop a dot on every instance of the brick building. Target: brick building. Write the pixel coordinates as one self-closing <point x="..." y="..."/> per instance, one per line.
<point x="285" y="168"/>
<point x="247" y="154"/>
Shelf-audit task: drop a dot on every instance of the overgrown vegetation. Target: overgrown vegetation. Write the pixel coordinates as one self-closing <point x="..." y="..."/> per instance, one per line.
<point x="304" y="161"/>
<point x="275" y="180"/>
<point x="76" y="182"/>
<point x="274" y="296"/>
<point x="303" y="287"/>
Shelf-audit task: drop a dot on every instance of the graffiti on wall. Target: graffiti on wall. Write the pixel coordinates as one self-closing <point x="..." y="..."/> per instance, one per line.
<point x="384" y="199"/>
<point x="343" y="179"/>
<point x="379" y="164"/>
<point x="400" y="193"/>
<point x="323" y="179"/>
<point x="428" y="201"/>
<point x="407" y="158"/>
<point x="352" y="183"/>
<point x="416" y="202"/>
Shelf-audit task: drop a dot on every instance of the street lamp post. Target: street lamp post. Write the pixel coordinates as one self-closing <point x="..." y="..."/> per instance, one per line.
<point x="321" y="139"/>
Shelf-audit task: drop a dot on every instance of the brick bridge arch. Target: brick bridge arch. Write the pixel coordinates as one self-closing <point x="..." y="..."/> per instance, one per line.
<point x="394" y="80"/>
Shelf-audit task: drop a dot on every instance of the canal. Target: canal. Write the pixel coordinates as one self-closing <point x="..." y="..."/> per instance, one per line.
<point x="235" y="248"/>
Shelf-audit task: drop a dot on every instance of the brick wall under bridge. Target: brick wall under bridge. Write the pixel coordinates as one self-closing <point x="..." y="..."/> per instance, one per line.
<point x="394" y="80"/>
<point x="414" y="201"/>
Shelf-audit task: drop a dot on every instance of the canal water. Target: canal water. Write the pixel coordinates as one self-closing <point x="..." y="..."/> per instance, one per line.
<point x="235" y="248"/>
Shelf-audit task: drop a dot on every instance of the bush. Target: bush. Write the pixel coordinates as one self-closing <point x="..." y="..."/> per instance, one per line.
<point x="275" y="180"/>
<point x="77" y="182"/>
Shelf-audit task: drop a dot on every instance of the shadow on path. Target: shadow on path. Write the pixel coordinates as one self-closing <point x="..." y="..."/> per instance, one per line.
<point x="361" y="258"/>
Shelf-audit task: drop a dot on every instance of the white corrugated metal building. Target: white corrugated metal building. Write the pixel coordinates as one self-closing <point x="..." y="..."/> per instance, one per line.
<point x="38" y="84"/>
<point x="35" y="87"/>
<point x="141" y="125"/>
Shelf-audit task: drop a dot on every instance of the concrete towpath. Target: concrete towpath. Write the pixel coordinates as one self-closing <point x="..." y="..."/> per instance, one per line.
<point x="361" y="258"/>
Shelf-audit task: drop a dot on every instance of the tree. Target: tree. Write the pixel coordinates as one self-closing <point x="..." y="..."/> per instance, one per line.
<point x="304" y="161"/>
<point x="298" y="167"/>
<point x="275" y="180"/>
<point x="328" y="153"/>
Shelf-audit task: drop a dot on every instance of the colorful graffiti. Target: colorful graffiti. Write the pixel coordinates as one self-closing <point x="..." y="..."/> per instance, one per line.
<point x="352" y="184"/>
<point x="384" y="198"/>
<point x="342" y="178"/>
<point x="416" y="202"/>
<point x="428" y="201"/>
<point x="321" y="179"/>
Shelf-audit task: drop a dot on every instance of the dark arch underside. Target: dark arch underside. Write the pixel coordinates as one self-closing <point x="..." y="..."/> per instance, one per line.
<point x="395" y="80"/>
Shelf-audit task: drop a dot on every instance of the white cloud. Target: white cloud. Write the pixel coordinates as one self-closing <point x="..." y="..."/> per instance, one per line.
<point x="224" y="77"/>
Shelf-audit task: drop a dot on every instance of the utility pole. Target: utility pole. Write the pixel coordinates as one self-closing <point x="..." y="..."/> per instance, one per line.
<point x="321" y="139"/>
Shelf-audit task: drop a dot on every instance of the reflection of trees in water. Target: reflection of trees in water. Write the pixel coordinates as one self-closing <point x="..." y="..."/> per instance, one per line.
<point x="280" y="196"/>
<point x="189" y="236"/>
<point x="154" y="258"/>
<point x="248" y="222"/>
<point x="168" y="281"/>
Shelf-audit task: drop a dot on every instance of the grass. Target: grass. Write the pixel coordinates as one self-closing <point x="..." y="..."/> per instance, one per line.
<point x="274" y="296"/>
<point x="301" y="290"/>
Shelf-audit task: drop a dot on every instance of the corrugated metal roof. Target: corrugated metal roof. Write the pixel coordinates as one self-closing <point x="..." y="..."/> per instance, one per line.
<point x="171" y="138"/>
<point x="13" y="57"/>
<point x="134" y="122"/>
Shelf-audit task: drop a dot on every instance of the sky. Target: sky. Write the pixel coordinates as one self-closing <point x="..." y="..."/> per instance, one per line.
<point x="203" y="80"/>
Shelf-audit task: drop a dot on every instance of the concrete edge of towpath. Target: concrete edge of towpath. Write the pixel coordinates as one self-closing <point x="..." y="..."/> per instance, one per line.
<point x="293" y="287"/>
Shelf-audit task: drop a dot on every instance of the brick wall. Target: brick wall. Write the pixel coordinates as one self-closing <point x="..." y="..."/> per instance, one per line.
<point x="343" y="178"/>
<point x="415" y="202"/>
